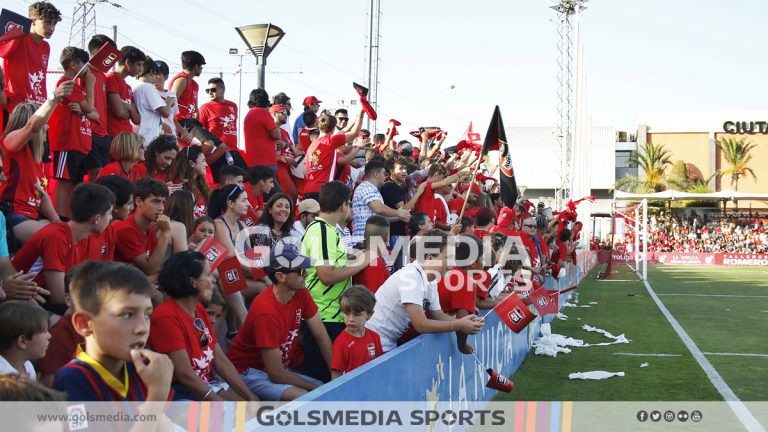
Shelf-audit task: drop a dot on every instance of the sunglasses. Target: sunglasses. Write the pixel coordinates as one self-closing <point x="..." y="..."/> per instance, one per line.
<point x="342" y="119"/>
<point x="211" y="90"/>
<point x="529" y="226"/>
<point x="200" y="326"/>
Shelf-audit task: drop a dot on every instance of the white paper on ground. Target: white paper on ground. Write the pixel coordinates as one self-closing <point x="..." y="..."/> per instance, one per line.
<point x="644" y="364"/>
<point x="561" y="316"/>
<point x="546" y="329"/>
<point x="595" y="375"/>
<point x="565" y="305"/>
<point x="552" y="344"/>
<point x="616" y="339"/>
<point x="593" y="303"/>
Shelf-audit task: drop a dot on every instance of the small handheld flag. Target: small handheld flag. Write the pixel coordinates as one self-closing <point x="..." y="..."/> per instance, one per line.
<point x="13" y="25"/>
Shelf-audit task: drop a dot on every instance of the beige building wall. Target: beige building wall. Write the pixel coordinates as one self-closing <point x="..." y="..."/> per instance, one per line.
<point x="690" y="147"/>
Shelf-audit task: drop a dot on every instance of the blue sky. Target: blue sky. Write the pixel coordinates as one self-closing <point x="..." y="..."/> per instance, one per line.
<point x="650" y="55"/>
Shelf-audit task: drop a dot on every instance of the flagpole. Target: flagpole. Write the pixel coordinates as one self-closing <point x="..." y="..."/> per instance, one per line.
<point x="469" y="188"/>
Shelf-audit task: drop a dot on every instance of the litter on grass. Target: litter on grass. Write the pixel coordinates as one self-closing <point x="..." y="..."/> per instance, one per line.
<point x="565" y="305"/>
<point x="644" y="364"/>
<point x="561" y="316"/>
<point x="616" y="339"/>
<point x="595" y="375"/>
<point x="593" y="303"/>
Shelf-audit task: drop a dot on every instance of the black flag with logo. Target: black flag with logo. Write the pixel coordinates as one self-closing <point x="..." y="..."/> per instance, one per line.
<point x="496" y="139"/>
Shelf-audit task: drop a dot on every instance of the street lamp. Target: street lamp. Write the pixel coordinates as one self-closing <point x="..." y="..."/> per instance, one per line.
<point x="234" y="52"/>
<point x="261" y="39"/>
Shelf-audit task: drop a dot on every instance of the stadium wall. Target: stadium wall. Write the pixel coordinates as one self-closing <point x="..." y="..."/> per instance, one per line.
<point x="430" y="368"/>
<point x="669" y="258"/>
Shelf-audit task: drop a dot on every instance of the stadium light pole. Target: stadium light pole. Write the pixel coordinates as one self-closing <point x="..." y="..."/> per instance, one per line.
<point x="261" y="39"/>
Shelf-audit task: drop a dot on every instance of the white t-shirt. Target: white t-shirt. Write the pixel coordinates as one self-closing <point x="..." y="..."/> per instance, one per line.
<point x="408" y="285"/>
<point x="7" y="369"/>
<point x="147" y="100"/>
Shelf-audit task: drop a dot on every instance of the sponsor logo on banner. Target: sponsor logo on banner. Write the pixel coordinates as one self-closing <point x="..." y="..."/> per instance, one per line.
<point x="754" y="260"/>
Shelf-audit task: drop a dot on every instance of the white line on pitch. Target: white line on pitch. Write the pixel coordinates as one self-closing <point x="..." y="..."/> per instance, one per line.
<point x="734" y="354"/>
<point x="714" y="295"/>
<point x="647" y="355"/>
<point x="742" y="412"/>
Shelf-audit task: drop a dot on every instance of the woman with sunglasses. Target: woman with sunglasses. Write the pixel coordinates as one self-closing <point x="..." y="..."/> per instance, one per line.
<point x="180" y="327"/>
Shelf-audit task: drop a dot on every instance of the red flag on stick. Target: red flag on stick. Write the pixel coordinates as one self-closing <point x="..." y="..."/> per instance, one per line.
<point x="363" y="92"/>
<point x="570" y="288"/>
<point x="105" y="58"/>
<point x="514" y="314"/>
<point x="13" y="25"/>
<point x="543" y="302"/>
<point x="214" y="252"/>
<point x="499" y="382"/>
<point x="231" y="276"/>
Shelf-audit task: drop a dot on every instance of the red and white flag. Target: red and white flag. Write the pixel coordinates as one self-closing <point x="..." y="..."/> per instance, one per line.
<point x="214" y="252"/>
<point x="231" y="276"/>
<point x="514" y="314"/>
<point x="105" y="58"/>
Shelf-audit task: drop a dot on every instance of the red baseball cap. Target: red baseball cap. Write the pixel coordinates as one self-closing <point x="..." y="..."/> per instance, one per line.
<point x="276" y="108"/>
<point x="309" y="100"/>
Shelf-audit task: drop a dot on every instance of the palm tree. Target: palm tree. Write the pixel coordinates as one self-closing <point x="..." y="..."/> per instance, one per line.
<point x="653" y="159"/>
<point x="736" y="154"/>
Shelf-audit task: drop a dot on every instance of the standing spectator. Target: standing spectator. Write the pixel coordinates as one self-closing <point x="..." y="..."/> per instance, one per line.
<point x="311" y="103"/>
<point x="376" y="235"/>
<point x="356" y="345"/>
<point x="266" y="351"/>
<point x="23" y="194"/>
<point x="185" y="86"/>
<point x="121" y="109"/>
<point x="151" y="106"/>
<point x="410" y="297"/>
<point x="331" y="274"/>
<point x="394" y="194"/>
<point x="181" y="329"/>
<point x="367" y="200"/>
<point x="286" y="157"/>
<point x="284" y="100"/>
<point x="260" y="132"/>
<point x="323" y="158"/>
<point x="97" y="98"/>
<point x="25" y="59"/>
<point x="69" y="129"/>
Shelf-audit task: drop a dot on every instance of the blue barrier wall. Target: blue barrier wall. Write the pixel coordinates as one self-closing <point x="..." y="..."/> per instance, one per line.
<point x="430" y="367"/>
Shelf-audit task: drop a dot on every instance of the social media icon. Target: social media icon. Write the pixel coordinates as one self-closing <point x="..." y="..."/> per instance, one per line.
<point x="655" y="416"/>
<point x="642" y="416"/>
<point x="669" y="416"/>
<point x="696" y="416"/>
<point x="682" y="416"/>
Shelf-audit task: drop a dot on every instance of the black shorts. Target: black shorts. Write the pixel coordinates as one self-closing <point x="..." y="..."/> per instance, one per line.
<point x="69" y="165"/>
<point x="99" y="155"/>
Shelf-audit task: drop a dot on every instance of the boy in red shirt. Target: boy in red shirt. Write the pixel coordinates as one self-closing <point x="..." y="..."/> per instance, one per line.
<point x="376" y="239"/>
<point x="137" y="242"/>
<point x="69" y="129"/>
<point x="184" y="85"/>
<point x="356" y="345"/>
<point x="97" y="97"/>
<point x="121" y="109"/>
<point x="436" y="179"/>
<point x="25" y="59"/>
<point x="57" y="244"/>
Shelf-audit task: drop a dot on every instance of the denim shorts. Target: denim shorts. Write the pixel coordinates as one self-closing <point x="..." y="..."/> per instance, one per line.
<point x="259" y="383"/>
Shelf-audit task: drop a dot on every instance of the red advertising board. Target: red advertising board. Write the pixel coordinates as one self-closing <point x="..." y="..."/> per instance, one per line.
<point x="676" y="258"/>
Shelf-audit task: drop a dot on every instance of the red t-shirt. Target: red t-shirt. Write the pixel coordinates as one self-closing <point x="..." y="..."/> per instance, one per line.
<point x="373" y="276"/>
<point x="259" y="146"/>
<point x="320" y="163"/>
<point x="54" y="244"/>
<point x="457" y="203"/>
<point x="426" y="203"/>
<point x="173" y="329"/>
<point x="479" y="233"/>
<point x="100" y="247"/>
<point x="456" y="291"/>
<point x="116" y="168"/>
<point x="441" y="210"/>
<point x="25" y="63"/>
<point x="99" y="127"/>
<point x="67" y="130"/>
<point x="63" y="346"/>
<point x="271" y="324"/>
<point x="350" y="352"/>
<point x="131" y="241"/>
<point x="116" y="84"/>
<point x="304" y="140"/>
<point x="560" y="252"/>
<point x="220" y="118"/>
<point x="25" y="182"/>
<point x="286" y="151"/>
<point x="188" y="99"/>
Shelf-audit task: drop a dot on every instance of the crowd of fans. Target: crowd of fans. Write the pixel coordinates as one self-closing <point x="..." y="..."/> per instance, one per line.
<point x="340" y="234"/>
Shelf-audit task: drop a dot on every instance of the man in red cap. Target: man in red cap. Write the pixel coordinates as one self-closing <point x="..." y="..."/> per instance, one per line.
<point x="311" y="103"/>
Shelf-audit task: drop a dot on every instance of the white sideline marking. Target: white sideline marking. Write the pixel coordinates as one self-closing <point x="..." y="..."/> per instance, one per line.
<point x="647" y="355"/>
<point x="714" y="295"/>
<point x="734" y="354"/>
<point x="617" y="280"/>
<point x="742" y="413"/>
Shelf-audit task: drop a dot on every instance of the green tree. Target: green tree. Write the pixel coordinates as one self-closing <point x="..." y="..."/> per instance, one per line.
<point x="736" y="153"/>
<point x="653" y="159"/>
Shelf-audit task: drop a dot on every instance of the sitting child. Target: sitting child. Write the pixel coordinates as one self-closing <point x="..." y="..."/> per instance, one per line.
<point x="23" y="337"/>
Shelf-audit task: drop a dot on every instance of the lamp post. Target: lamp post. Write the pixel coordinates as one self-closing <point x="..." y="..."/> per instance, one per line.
<point x="261" y="39"/>
<point x="234" y="52"/>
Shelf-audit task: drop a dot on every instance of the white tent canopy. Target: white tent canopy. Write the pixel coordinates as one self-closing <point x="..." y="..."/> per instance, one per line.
<point x="671" y="195"/>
